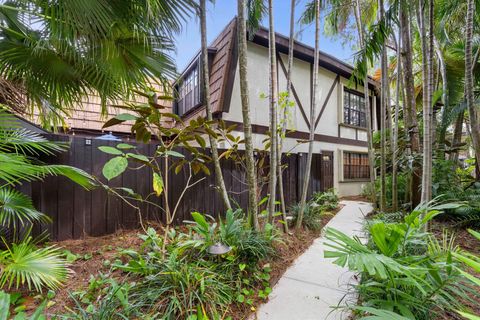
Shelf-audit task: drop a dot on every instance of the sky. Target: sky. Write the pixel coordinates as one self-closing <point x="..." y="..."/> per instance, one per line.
<point x="222" y="11"/>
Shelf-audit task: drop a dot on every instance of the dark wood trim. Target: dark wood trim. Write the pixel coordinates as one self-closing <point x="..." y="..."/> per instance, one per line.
<point x="346" y="125"/>
<point x="295" y="95"/>
<point x="226" y="96"/>
<point x="259" y="129"/>
<point x="334" y="84"/>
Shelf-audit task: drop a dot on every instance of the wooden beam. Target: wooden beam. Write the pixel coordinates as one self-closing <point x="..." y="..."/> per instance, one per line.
<point x="334" y="84"/>
<point x="279" y="58"/>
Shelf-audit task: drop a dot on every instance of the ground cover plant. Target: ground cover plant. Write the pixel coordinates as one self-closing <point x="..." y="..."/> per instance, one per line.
<point x="405" y="271"/>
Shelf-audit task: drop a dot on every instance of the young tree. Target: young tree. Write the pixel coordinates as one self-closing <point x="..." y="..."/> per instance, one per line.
<point x="208" y="107"/>
<point x="247" y="125"/>
<point x="273" y="99"/>
<point x="313" y="107"/>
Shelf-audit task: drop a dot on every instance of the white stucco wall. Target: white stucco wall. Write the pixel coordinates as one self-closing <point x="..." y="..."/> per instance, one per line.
<point x="258" y="74"/>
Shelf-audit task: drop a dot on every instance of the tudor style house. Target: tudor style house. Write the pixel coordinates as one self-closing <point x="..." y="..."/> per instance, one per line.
<point x="340" y="125"/>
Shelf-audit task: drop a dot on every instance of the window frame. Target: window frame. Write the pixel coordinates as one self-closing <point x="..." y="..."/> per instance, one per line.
<point x="352" y="171"/>
<point x="192" y="82"/>
<point x="357" y="108"/>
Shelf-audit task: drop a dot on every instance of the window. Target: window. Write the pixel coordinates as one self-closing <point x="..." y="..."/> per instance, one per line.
<point x="354" y="109"/>
<point x="355" y="166"/>
<point x="189" y="92"/>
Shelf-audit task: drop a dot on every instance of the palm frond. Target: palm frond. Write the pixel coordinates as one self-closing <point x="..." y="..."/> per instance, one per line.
<point x="15" y="206"/>
<point x="25" y="264"/>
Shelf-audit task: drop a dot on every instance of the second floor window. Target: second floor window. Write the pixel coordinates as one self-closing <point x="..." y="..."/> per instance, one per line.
<point x="354" y="109"/>
<point x="189" y="92"/>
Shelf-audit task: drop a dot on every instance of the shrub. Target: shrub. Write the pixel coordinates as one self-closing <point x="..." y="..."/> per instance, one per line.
<point x="184" y="280"/>
<point x="312" y="215"/>
<point x="327" y="200"/>
<point x="404" y="270"/>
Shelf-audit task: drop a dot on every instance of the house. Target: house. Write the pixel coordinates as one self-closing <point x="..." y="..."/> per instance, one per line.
<point x="340" y="125"/>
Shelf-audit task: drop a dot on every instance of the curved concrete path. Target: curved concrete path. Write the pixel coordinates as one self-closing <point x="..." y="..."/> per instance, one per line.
<point x="313" y="284"/>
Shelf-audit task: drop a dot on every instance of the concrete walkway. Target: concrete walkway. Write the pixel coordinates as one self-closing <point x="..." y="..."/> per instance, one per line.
<point x="313" y="284"/>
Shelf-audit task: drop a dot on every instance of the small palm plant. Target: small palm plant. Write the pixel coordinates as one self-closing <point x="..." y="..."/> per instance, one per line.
<point x="21" y="261"/>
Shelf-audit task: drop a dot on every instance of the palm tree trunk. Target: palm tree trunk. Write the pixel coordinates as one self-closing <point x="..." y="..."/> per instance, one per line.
<point x="371" y="150"/>
<point x="272" y="185"/>
<point x="457" y="137"/>
<point x="443" y="126"/>
<point x="474" y="121"/>
<point x="284" y="115"/>
<point x="313" y="107"/>
<point x="411" y="124"/>
<point x="206" y="96"/>
<point x="383" y="107"/>
<point x="427" y="79"/>
<point x="395" y="129"/>
<point x="247" y="125"/>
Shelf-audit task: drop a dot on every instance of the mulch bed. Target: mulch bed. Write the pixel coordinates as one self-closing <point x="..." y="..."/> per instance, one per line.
<point x="92" y="252"/>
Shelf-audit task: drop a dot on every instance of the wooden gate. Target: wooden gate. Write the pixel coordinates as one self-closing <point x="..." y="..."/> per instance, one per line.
<point x="321" y="174"/>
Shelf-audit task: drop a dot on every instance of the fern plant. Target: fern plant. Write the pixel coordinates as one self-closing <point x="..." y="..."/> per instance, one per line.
<point x="22" y="263"/>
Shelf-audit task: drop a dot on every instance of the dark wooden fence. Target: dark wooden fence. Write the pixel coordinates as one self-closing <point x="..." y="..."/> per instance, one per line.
<point x="76" y="212"/>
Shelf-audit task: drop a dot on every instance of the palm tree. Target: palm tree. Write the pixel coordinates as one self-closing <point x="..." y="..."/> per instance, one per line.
<point x="291" y="42"/>
<point x="383" y="107"/>
<point x="22" y="263"/>
<point x="313" y="107"/>
<point x="273" y="98"/>
<point x="410" y="119"/>
<point x="58" y="52"/>
<point x="425" y="26"/>
<point x="247" y="124"/>
<point x="474" y="120"/>
<point x="371" y="150"/>
<point x="208" y="107"/>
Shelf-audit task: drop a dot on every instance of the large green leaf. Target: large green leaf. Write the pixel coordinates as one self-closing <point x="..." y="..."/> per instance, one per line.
<point x="110" y="150"/>
<point x="114" y="167"/>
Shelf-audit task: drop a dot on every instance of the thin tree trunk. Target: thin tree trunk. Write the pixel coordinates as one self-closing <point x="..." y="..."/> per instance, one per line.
<point x="247" y="125"/>
<point x="443" y="127"/>
<point x="395" y="130"/>
<point x="457" y="137"/>
<point x="284" y="115"/>
<point x="383" y="127"/>
<point x="411" y="125"/>
<point x="474" y="121"/>
<point x="313" y="107"/>
<point x="206" y="96"/>
<point x="371" y="150"/>
<point x="427" y="79"/>
<point x="272" y="185"/>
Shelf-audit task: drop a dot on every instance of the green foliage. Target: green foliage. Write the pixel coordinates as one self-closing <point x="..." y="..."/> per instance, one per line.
<point x="87" y="46"/>
<point x="327" y="200"/>
<point x="25" y="264"/>
<point x="179" y="279"/>
<point x="22" y="263"/>
<point x="405" y="272"/>
<point x="315" y="209"/>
